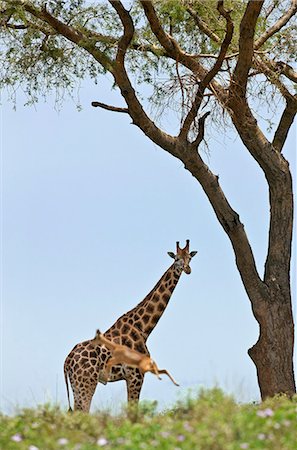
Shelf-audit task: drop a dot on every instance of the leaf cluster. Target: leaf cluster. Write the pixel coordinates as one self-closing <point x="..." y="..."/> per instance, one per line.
<point x="42" y="61"/>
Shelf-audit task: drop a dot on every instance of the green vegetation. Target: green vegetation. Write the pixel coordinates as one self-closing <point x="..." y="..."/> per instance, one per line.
<point x="210" y="420"/>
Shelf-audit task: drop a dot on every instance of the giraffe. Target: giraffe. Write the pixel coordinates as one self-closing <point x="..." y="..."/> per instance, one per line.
<point x="86" y="362"/>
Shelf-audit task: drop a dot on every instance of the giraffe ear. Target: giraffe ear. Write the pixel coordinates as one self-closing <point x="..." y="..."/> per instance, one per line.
<point x="193" y="254"/>
<point x="171" y="254"/>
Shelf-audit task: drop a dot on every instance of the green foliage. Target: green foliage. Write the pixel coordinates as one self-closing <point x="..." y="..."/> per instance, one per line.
<point x="41" y="62"/>
<point x="210" y="420"/>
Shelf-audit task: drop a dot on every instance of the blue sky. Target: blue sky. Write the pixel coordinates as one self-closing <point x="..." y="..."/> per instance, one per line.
<point x="90" y="209"/>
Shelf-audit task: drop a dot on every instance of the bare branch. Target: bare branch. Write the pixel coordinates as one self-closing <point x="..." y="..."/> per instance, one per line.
<point x="175" y="52"/>
<point x="16" y="27"/>
<point x="112" y="40"/>
<point x="285" y="124"/>
<point x="135" y="109"/>
<point x="128" y="29"/>
<point x="201" y="127"/>
<point x="211" y="74"/>
<point x="225" y="44"/>
<point x="202" y="25"/>
<point x="165" y="39"/>
<point x="110" y="108"/>
<point x="269" y="69"/>
<point x="277" y="26"/>
<point x="270" y="9"/>
<point x="246" y="46"/>
<point x="286" y="70"/>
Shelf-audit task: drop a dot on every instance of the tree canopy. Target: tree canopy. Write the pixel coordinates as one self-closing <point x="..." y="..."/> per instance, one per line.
<point x="40" y="56"/>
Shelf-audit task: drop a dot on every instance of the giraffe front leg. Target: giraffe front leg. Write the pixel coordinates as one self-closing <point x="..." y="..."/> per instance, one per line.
<point x="134" y="382"/>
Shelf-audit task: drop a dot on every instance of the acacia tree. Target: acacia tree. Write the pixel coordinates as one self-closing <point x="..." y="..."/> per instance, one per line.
<point x="216" y="57"/>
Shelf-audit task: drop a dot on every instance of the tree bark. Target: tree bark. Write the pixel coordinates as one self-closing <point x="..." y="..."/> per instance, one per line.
<point x="273" y="352"/>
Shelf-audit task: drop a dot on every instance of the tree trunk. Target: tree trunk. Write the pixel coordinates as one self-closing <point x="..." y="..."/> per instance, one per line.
<point x="272" y="308"/>
<point x="273" y="352"/>
<point x="270" y="297"/>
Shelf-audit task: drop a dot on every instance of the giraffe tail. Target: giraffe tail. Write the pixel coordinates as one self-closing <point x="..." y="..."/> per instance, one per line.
<point x="67" y="387"/>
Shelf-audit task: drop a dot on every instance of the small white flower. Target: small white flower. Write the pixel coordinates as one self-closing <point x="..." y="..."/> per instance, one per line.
<point x="188" y="427"/>
<point x="261" y="437"/>
<point x="244" y="445"/>
<point x="63" y="441"/>
<point x="287" y="423"/>
<point x="165" y="434"/>
<point x="16" y="437"/>
<point x="276" y="426"/>
<point x="102" y="441"/>
<point x="181" y="438"/>
<point x="33" y="447"/>
<point x="265" y="412"/>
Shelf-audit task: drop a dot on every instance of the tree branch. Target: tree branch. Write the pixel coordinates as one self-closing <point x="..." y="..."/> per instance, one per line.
<point x="128" y="34"/>
<point x="69" y="32"/>
<point x="285" y="70"/>
<point x="277" y="26"/>
<point x="225" y="44"/>
<point x="246" y="46"/>
<point x="229" y="220"/>
<point x="268" y="68"/>
<point x="188" y="154"/>
<point x="202" y="25"/>
<point x="110" y="108"/>
<point x="112" y="40"/>
<point x="175" y="52"/>
<point x="211" y="74"/>
<point x="15" y="27"/>
<point x="285" y="123"/>
<point x="165" y="39"/>
<point x="200" y="135"/>
<point x="136" y="111"/>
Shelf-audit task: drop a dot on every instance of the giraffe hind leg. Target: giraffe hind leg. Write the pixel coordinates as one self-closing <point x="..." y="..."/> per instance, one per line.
<point x="83" y="393"/>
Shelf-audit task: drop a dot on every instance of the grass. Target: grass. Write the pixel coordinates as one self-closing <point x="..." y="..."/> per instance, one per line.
<point x="210" y="420"/>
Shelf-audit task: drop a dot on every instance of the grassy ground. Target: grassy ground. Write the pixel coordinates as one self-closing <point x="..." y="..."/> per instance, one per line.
<point x="211" y="420"/>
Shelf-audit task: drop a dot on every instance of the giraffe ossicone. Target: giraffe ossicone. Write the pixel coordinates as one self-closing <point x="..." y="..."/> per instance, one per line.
<point x="87" y="360"/>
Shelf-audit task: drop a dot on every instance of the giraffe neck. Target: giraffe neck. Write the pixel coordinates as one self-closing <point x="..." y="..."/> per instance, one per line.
<point x="146" y="314"/>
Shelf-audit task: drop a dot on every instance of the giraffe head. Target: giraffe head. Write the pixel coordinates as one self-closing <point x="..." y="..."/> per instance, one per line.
<point x="183" y="257"/>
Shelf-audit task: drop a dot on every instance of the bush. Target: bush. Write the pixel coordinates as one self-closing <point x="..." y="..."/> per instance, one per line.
<point x="209" y="420"/>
